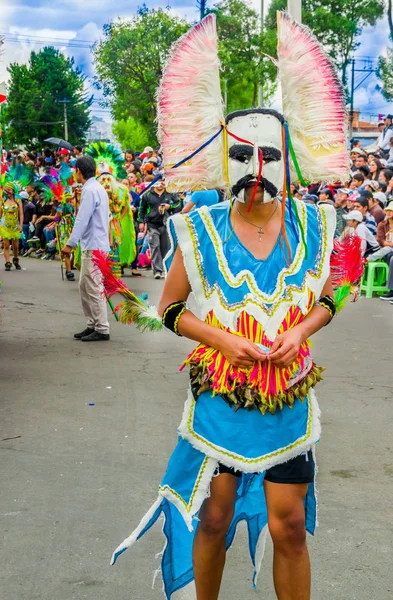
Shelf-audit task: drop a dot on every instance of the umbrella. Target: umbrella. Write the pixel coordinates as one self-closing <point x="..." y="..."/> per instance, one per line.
<point x="60" y="143"/>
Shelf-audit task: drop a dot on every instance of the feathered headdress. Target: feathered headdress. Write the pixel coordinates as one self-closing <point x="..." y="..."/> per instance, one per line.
<point x="108" y="159"/>
<point x="44" y="190"/>
<point x="313" y="104"/>
<point x="60" y="192"/>
<point x="66" y="174"/>
<point x="21" y="175"/>
<point x="190" y="109"/>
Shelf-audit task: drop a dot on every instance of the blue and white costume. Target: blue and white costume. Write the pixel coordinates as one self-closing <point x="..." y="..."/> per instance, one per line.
<point x="230" y="285"/>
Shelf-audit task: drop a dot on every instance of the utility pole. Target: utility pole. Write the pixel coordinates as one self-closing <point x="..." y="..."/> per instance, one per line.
<point x="202" y="8"/>
<point x="295" y="10"/>
<point x="366" y="69"/>
<point x="352" y="97"/>
<point x="260" y="91"/>
<point x="65" y="102"/>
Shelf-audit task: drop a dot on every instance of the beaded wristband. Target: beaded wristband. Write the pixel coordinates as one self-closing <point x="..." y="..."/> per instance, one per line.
<point x="172" y="314"/>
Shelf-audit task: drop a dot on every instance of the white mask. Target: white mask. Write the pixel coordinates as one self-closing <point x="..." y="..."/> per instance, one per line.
<point x="263" y="129"/>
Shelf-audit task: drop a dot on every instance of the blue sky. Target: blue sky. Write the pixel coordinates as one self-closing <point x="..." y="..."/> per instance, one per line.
<point x="81" y="21"/>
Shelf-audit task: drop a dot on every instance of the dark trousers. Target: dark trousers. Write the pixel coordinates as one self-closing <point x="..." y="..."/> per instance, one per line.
<point x="159" y="246"/>
<point x="39" y="232"/>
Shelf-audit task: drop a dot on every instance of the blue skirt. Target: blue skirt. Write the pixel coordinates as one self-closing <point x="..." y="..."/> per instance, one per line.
<point x="211" y="432"/>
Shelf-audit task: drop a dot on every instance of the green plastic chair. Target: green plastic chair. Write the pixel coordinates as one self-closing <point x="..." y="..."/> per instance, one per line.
<point x="374" y="278"/>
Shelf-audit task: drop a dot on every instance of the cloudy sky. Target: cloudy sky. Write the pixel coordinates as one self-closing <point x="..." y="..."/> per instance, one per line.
<point x="71" y="25"/>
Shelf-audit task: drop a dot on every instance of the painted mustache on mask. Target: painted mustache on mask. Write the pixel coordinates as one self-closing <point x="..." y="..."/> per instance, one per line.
<point x="268" y="186"/>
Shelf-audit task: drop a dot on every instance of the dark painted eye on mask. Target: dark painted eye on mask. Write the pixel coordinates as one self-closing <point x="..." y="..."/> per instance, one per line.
<point x="243" y="153"/>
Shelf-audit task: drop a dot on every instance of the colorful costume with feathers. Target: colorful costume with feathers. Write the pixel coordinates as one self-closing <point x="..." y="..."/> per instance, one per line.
<point x="17" y="177"/>
<point x="110" y="162"/>
<point x="63" y="194"/>
<point x="249" y="420"/>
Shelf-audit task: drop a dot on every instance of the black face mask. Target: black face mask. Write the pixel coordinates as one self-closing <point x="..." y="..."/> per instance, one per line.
<point x="267" y="185"/>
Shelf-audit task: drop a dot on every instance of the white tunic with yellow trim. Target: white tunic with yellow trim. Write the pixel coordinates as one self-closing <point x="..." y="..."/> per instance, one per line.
<point x="257" y="299"/>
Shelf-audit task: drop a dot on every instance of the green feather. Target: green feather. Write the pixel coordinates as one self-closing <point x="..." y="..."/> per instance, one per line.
<point x="108" y="154"/>
<point x="141" y="314"/>
<point x="341" y="296"/>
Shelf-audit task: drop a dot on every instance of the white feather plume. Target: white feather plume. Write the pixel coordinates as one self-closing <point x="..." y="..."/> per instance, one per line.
<point x="190" y="111"/>
<point x="313" y="103"/>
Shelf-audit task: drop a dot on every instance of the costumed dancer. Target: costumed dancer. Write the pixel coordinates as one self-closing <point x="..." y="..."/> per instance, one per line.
<point x="11" y="211"/>
<point x="259" y="269"/>
<point x="121" y="229"/>
<point x="65" y="218"/>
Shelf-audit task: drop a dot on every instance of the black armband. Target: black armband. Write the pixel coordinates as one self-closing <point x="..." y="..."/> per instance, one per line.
<point x="172" y="314"/>
<point x="329" y="303"/>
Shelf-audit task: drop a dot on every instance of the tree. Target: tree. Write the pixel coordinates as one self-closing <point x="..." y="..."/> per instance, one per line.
<point x="385" y="74"/>
<point x="132" y="134"/>
<point x="390" y="17"/>
<point x="337" y="24"/>
<point x="130" y="60"/>
<point x="242" y="49"/>
<point x="33" y="111"/>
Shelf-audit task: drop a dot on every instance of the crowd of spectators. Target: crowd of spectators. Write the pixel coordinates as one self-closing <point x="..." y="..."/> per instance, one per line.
<point x="363" y="203"/>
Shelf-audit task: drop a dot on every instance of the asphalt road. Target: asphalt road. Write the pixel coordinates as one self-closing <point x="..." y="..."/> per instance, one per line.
<point x="76" y="479"/>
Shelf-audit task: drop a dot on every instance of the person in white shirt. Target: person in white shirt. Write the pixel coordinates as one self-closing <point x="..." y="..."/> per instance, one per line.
<point x="91" y="229"/>
<point x="386" y="135"/>
<point x="356" y="226"/>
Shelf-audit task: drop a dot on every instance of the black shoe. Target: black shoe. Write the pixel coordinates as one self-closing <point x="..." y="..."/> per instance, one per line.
<point x="8" y="266"/>
<point x="96" y="337"/>
<point x="388" y="296"/>
<point x="16" y="263"/>
<point x="84" y="333"/>
<point x="70" y="276"/>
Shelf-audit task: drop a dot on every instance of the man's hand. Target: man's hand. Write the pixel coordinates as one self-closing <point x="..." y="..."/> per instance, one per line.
<point x="240" y="351"/>
<point x="166" y="206"/>
<point x="142" y="227"/>
<point x="20" y="228"/>
<point x="67" y="250"/>
<point x="285" y="348"/>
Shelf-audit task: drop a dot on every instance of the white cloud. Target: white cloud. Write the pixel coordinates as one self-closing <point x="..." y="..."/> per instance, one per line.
<point x="79" y="20"/>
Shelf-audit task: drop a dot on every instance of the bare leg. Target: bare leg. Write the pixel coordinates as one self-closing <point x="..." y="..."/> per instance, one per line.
<point x="209" y="545"/>
<point x="67" y="262"/>
<point x="15" y="248"/>
<point x="6" y="250"/>
<point x="291" y="562"/>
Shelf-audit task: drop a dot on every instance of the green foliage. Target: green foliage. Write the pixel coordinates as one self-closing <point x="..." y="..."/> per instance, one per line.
<point x="132" y="134"/>
<point x="337" y="24"/>
<point x="242" y="48"/>
<point x="385" y="74"/>
<point x="34" y="92"/>
<point x="130" y="60"/>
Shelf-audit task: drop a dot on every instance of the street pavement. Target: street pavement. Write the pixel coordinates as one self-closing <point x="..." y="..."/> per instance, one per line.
<point x="76" y="478"/>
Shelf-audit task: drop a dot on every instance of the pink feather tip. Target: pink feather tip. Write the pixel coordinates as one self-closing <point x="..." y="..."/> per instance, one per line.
<point x="112" y="285"/>
<point x="346" y="262"/>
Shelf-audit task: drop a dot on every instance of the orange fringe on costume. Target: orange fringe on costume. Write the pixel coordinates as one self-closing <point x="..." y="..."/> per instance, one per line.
<point x="263" y="385"/>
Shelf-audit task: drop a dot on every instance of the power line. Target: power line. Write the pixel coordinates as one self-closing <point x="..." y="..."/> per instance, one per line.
<point x="38" y="122"/>
<point x="44" y="37"/>
<point x="44" y="43"/>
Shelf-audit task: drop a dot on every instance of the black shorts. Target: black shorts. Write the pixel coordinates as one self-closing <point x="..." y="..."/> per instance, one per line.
<point x="297" y="470"/>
